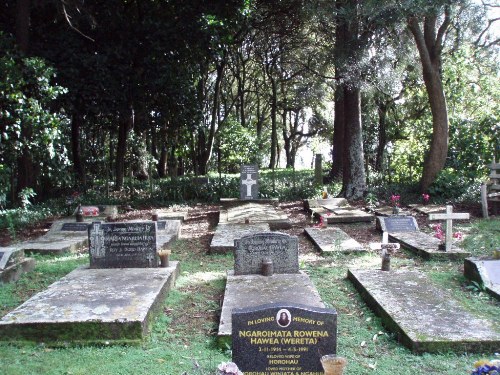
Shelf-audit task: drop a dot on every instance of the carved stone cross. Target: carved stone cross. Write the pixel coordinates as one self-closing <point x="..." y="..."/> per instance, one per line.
<point x="449" y="216"/>
<point x="249" y="182"/>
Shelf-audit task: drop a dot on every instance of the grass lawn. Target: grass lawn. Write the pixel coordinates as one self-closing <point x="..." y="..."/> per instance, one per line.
<point x="183" y="336"/>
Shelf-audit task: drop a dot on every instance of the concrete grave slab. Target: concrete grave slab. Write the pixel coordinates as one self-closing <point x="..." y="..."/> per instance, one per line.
<point x="425" y="317"/>
<point x="92" y="306"/>
<point x="174" y="213"/>
<point x="427" y="209"/>
<point x="309" y="204"/>
<point x="256" y="213"/>
<point x="225" y="234"/>
<point x="333" y="240"/>
<point x="388" y="211"/>
<point x="426" y="246"/>
<point x="486" y="271"/>
<point x="335" y="215"/>
<point x="13" y="264"/>
<point x="254" y="290"/>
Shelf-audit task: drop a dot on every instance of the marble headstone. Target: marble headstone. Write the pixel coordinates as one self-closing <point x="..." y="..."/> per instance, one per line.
<point x="249" y="181"/>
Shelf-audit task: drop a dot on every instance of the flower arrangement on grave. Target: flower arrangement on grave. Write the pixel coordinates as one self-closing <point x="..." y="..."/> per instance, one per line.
<point x="395" y="199"/>
<point x="228" y="368"/>
<point x="439" y="234"/>
<point x="321" y="223"/>
<point x="324" y="194"/>
<point x="425" y="198"/>
<point x="485" y="367"/>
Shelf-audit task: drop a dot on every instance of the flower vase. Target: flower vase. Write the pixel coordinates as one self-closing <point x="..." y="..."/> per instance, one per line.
<point x="395" y="210"/>
<point x="333" y="365"/>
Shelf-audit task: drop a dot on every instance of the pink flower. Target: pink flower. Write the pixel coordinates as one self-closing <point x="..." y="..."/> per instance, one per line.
<point x="425" y="197"/>
<point x="395" y="199"/>
<point x="458" y="235"/>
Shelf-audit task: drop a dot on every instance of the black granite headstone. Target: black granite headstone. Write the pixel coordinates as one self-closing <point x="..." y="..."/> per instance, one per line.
<point x="394" y="224"/>
<point x="250" y="252"/>
<point x="249" y="181"/>
<point x="123" y="245"/>
<point x="75" y="227"/>
<point x="283" y="338"/>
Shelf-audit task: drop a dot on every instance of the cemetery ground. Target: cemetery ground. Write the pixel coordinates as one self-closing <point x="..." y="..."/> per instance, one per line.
<point x="183" y="338"/>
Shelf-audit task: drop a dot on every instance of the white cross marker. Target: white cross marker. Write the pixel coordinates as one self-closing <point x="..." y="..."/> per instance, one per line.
<point x="449" y="216"/>
<point x="249" y="182"/>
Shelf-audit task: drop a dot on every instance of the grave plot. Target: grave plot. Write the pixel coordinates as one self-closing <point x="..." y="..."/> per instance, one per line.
<point x="225" y="234"/>
<point x="485" y="271"/>
<point x="388" y="211"/>
<point x="428" y="209"/>
<point x="335" y="215"/>
<point x="333" y="240"/>
<point x="247" y="287"/>
<point x="424" y="317"/>
<point x="174" y="213"/>
<point x="404" y="229"/>
<point x="311" y="204"/>
<point x="13" y="264"/>
<point x="114" y="301"/>
<point x="251" y="213"/>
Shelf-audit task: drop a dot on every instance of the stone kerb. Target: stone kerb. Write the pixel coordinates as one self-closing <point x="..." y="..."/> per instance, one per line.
<point x="252" y="250"/>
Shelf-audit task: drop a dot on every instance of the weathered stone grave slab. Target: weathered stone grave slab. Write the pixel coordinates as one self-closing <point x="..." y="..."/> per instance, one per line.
<point x="246" y="287"/>
<point x="249" y="181"/>
<point x="167" y="231"/>
<point x="333" y="240"/>
<point x="174" y="213"/>
<point x="335" y="215"/>
<point x="283" y="338"/>
<point x="251" y="250"/>
<point x="404" y="229"/>
<point x="486" y="271"/>
<point x="425" y="317"/>
<point x="427" y="209"/>
<point x="123" y="245"/>
<point x="388" y="211"/>
<point x="310" y="204"/>
<point x="91" y="306"/>
<point x="13" y="264"/>
<point x="225" y="234"/>
<point x="254" y="290"/>
<point x="256" y="213"/>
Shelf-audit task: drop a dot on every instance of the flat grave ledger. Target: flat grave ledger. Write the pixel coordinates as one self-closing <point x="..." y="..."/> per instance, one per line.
<point x="346" y="214"/>
<point x="486" y="271"/>
<point x="332" y="240"/>
<point x="397" y="223"/>
<point x="92" y="306"/>
<point x="252" y="212"/>
<point x="427" y="209"/>
<point x="251" y="251"/>
<point x="175" y="213"/>
<point x="283" y="338"/>
<point x="13" y="264"/>
<point x="249" y="181"/>
<point x="123" y="245"/>
<point x="389" y="211"/>
<point x="310" y="204"/>
<point x="226" y="233"/>
<point x="425" y="317"/>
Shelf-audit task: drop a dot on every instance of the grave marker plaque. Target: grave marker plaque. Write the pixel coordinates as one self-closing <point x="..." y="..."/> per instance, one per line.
<point x="283" y="338"/>
<point x="123" y="245"/>
<point x="249" y="181"/>
<point x="75" y="227"/>
<point x="394" y="224"/>
<point x="280" y="248"/>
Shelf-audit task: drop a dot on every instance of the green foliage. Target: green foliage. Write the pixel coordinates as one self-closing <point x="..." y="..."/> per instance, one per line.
<point x="25" y="195"/>
<point x="12" y="219"/>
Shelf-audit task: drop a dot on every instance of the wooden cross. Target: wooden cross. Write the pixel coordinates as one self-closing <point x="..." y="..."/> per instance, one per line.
<point x="449" y="216"/>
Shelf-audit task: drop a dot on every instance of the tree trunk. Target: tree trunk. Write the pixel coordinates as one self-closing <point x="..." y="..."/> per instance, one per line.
<point x="354" y="181"/>
<point x="23" y="25"/>
<point x="274" y="131"/>
<point x="429" y="44"/>
<point x="78" y="168"/>
<point x="338" y="135"/>
<point x="126" y="123"/>
<point x="382" y="134"/>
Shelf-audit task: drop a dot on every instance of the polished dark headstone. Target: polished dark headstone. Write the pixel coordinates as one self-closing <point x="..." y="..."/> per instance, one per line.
<point x="280" y="248"/>
<point x="395" y="224"/>
<point x="283" y="338"/>
<point x="123" y="245"/>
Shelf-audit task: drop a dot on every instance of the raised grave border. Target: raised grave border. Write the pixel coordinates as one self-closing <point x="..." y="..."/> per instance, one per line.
<point x="333" y="240"/>
<point x="90" y="306"/>
<point x="486" y="271"/>
<point x="424" y="317"/>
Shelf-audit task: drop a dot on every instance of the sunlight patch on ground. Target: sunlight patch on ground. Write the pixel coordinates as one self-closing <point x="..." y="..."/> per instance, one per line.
<point x="199" y="278"/>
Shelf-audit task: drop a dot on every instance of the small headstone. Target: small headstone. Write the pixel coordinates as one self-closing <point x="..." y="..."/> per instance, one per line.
<point x="123" y="245"/>
<point x="75" y="227"/>
<point x="13" y="264"/>
<point x="252" y="250"/>
<point x="249" y="181"/>
<point x="393" y="224"/>
<point x="449" y="216"/>
<point x="283" y="338"/>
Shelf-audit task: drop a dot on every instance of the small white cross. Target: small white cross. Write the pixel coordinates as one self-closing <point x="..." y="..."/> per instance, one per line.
<point x="449" y="216"/>
<point x="249" y="182"/>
